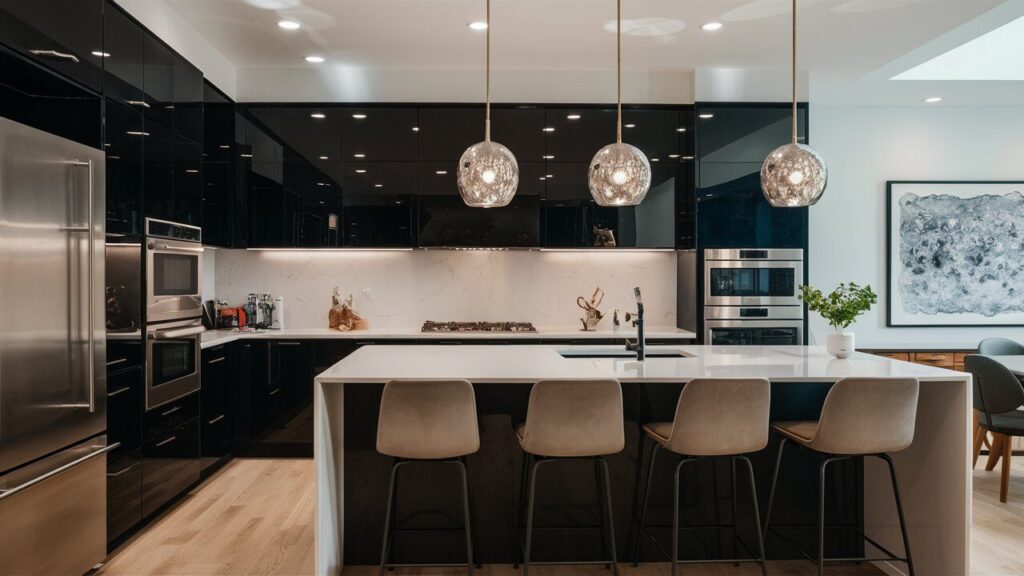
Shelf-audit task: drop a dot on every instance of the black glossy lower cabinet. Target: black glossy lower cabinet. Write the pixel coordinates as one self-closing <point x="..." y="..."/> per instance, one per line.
<point x="170" y="452"/>
<point x="124" y="493"/>
<point x="214" y="403"/>
<point x="124" y="427"/>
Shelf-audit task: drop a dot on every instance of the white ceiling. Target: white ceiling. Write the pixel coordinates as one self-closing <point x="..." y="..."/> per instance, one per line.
<point x="850" y="48"/>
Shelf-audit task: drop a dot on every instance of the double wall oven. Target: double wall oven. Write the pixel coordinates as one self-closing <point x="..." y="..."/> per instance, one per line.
<point x="752" y="296"/>
<point x="174" y="263"/>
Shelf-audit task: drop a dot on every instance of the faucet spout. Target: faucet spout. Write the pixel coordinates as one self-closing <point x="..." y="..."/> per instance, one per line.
<point x="640" y="347"/>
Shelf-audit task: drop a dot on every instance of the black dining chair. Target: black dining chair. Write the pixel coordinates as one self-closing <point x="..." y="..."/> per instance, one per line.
<point x="1000" y="347"/>
<point x="997" y="396"/>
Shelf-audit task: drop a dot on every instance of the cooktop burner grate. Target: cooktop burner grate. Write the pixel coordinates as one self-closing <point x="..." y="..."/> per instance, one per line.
<point x="432" y="326"/>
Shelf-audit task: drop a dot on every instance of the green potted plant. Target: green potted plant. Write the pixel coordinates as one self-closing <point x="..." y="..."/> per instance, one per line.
<point x="841" y="308"/>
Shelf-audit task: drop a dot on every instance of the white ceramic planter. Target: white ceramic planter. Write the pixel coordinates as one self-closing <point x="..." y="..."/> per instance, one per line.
<point x="840" y="345"/>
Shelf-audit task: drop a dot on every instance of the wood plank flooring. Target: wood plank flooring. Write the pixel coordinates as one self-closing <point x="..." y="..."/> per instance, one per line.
<point x="255" y="517"/>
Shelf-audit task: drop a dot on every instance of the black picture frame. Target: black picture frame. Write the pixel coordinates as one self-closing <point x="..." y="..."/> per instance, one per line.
<point x="889" y="235"/>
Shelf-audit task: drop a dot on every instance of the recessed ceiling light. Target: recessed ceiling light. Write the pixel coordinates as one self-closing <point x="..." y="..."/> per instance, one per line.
<point x="137" y="133"/>
<point x="541" y="178"/>
<point x="549" y="129"/>
<point x="573" y="116"/>
<point x="630" y="125"/>
<point x="933" y="99"/>
<point x="549" y="157"/>
<point x="314" y="59"/>
<point x="289" y="25"/>
<point x="246" y="155"/>
<point x="550" y="176"/>
<point x="441" y="172"/>
<point x="318" y="115"/>
<point x="378" y="185"/>
<point x="478" y="25"/>
<point x="192" y="171"/>
<point x="655" y="159"/>
<point x="673" y="155"/>
<point x="359" y="116"/>
<point x="101" y="54"/>
<point x="687" y="157"/>
<point x="323" y="157"/>
<point x="225" y="146"/>
<point x="711" y="26"/>
<point x="680" y="129"/>
<point x="360" y="171"/>
<point x="706" y="116"/>
<point x="360" y="155"/>
<point x="415" y="128"/>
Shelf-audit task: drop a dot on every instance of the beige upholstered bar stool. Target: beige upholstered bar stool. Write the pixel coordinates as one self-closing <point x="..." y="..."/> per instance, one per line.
<point x="571" y="420"/>
<point x="427" y="420"/>
<point x="715" y="418"/>
<point x="860" y="417"/>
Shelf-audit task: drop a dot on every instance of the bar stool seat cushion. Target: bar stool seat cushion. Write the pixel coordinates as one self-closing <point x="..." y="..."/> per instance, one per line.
<point x="659" y="431"/>
<point x="428" y="420"/>
<point x="573" y="419"/>
<point x="802" y="432"/>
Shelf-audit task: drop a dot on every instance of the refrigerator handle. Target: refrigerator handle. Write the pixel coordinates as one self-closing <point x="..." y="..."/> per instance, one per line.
<point x="56" y="471"/>
<point x="91" y="306"/>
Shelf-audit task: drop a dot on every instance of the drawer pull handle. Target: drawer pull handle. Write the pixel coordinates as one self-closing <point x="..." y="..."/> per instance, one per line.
<point x="121" y="472"/>
<point x="118" y="391"/>
<point x="116" y="362"/>
<point x="217" y="419"/>
<point x="274" y="391"/>
<point x="215" y="360"/>
<point x="55" y="54"/>
<point x="171" y="411"/>
<point x="165" y="442"/>
<point x="289" y="343"/>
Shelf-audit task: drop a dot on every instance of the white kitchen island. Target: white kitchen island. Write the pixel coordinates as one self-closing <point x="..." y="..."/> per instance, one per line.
<point x="935" y="473"/>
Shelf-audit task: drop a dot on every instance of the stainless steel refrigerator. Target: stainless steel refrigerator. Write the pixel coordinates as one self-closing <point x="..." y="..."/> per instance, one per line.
<point x="52" y="354"/>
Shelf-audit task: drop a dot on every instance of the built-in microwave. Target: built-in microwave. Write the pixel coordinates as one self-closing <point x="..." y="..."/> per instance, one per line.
<point x="754" y="326"/>
<point x="172" y="360"/>
<point x="174" y="264"/>
<point x="753" y="277"/>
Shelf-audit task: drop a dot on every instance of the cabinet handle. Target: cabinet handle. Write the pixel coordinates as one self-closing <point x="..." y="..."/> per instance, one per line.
<point x="289" y="343"/>
<point x="171" y="411"/>
<point x="121" y="472"/>
<point x="215" y="360"/>
<point x="116" y="362"/>
<point x="118" y="391"/>
<point x="274" y="391"/>
<point x="217" y="419"/>
<point x="165" y="442"/>
<point x="55" y="54"/>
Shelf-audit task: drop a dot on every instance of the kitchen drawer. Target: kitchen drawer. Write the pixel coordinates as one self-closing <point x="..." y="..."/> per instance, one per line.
<point x="124" y="493"/>
<point x="122" y="354"/>
<point x="124" y="409"/>
<point x="170" y="464"/>
<point x="937" y="359"/>
<point x="160" y="422"/>
<point x="904" y="356"/>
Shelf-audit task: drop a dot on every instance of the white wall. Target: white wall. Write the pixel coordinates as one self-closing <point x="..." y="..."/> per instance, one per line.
<point x="865" y="147"/>
<point x="406" y="288"/>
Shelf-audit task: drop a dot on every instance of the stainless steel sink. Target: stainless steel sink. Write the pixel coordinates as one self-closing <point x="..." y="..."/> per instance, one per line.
<point x="652" y="352"/>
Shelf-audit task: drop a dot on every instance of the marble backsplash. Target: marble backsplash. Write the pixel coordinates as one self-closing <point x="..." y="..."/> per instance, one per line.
<point x="403" y="289"/>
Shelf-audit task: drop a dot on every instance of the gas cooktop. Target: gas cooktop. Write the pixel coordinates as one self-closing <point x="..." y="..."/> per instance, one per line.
<point x="431" y="326"/>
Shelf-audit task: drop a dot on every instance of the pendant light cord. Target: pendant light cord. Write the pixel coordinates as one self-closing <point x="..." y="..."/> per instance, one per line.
<point x="794" y="73"/>
<point x="618" y="70"/>
<point x="487" y="88"/>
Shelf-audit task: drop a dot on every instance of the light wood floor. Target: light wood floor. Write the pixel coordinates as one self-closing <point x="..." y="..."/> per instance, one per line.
<point x="256" y="517"/>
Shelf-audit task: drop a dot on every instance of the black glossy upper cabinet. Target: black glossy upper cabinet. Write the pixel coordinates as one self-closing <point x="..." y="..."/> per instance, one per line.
<point x="655" y="133"/>
<point x="445" y="132"/>
<point x="296" y="134"/>
<point x="124" y="77"/>
<point x="219" y="200"/>
<point x="123" y="146"/>
<point x="159" y="158"/>
<point x="158" y="80"/>
<point x="575" y="135"/>
<point x="446" y="221"/>
<point x="64" y="35"/>
<point x="379" y="134"/>
<point x="521" y="130"/>
<point x="188" y="181"/>
<point x="218" y="125"/>
<point x="188" y="99"/>
<point x="378" y="205"/>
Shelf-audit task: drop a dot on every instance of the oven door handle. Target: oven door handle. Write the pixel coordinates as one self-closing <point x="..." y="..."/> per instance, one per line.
<point x="177" y="333"/>
<point x="168" y="248"/>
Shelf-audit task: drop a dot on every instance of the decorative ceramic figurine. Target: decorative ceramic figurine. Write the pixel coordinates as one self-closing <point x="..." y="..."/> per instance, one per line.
<point x="593" y="315"/>
<point x="342" y="317"/>
<point x="604" y="238"/>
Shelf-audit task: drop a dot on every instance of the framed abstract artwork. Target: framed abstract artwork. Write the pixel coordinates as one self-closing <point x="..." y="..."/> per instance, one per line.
<point x="955" y="253"/>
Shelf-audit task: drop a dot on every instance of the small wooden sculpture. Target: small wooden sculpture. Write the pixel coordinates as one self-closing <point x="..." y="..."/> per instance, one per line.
<point x="593" y="316"/>
<point x="604" y="238"/>
<point x="342" y="317"/>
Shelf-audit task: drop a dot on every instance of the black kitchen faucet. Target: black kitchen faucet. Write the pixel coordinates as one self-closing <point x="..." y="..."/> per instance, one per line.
<point x="640" y="347"/>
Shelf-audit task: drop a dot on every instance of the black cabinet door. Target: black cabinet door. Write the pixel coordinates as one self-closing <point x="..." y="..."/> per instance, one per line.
<point x="445" y="133"/>
<point x="64" y="35"/>
<point x="158" y="80"/>
<point x="188" y="181"/>
<point x="124" y="493"/>
<point x="215" y="412"/>
<point x="218" y="203"/>
<point x="158" y="159"/>
<point x="575" y="135"/>
<point x="295" y="133"/>
<point x="188" y="99"/>
<point x="445" y="220"/>
<point x="655" y="133"/>
<point x="218" y="125"/>
<point x="379" y="204"/>
<point x="124" y="137"/>
<point x="170" y="465"/>
<point x="380" y="134"/>
<point x="248" y="366"/>
<point x="124" y="408"/>
<point x="521" y="130"/>
<point x="123" y="65"/>
<point x="266" y="203"/>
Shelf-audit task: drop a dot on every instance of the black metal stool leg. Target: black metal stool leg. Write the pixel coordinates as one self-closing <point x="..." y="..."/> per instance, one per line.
<point x="599" y="485"/>
<point x="473" y="516"/>
<point x="735" y="514"/>
<point x="637" y="481"/>
<point x="675" y="515"/>
<point x="517" y="540"/>
<point x="387" y="517"/>
<point x="643" y="505"/>
<point x="467" y="515"/>
<point x="771" y="491"/>
<point x="757" y="515"/>
<point x="611" y="519"/>
<point x="531" y="493"/>
<point x="899" y="510"/>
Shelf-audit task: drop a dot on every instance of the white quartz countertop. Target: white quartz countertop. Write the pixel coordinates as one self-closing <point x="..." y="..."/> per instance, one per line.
<point x="529" y="363"/>
<point x="217" y="337"/>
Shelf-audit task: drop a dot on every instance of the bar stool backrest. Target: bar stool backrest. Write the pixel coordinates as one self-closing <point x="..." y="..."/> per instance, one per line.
<point x="721" y="417"/>
<point x="428" y="419"/>
<point x="1000" y="347"/>
<point x="868" y="416"/>
<point x="996" y="389"/>
<point x="574" y="418"/>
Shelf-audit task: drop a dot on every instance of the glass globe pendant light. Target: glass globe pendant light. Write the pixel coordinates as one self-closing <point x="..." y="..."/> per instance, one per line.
<point x="488" y="173"/>
<point x="793" y="175"/>
<point x="620" y="174"/>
